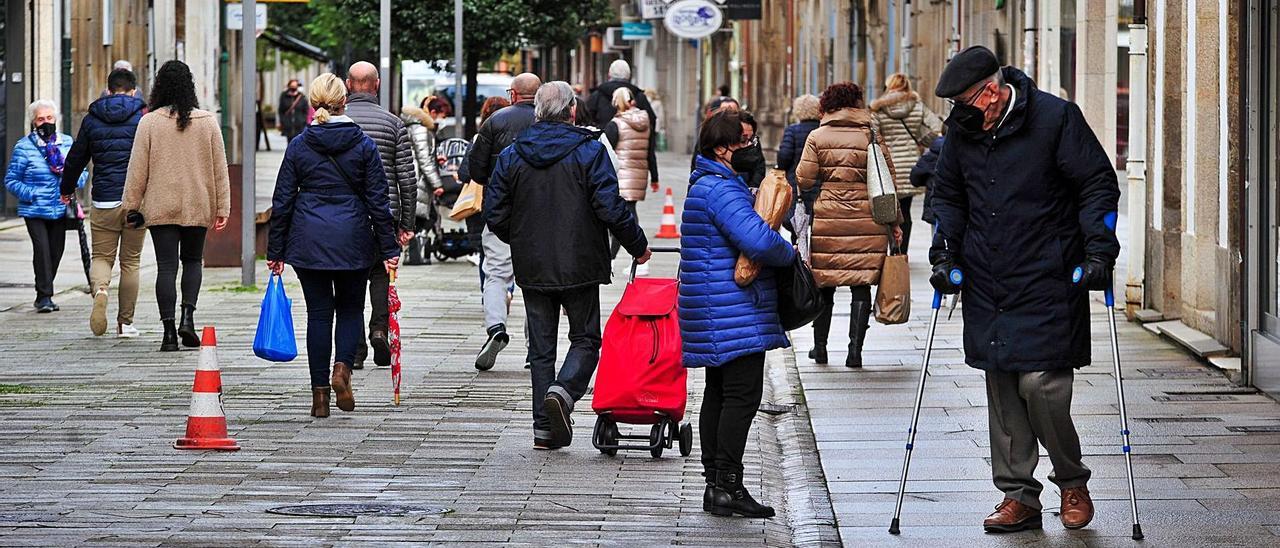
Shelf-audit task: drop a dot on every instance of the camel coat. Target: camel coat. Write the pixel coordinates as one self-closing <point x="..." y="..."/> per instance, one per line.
<point x="847" y="246"/>
<point x="178" y="177"/>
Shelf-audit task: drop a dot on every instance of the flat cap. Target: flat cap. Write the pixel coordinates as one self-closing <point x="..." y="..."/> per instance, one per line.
<point x="966" y="69"/>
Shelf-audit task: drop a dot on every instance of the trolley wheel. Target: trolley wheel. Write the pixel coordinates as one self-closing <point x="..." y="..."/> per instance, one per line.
<point x="656" y="438"/>
<point x="606" y="433"/>
<point x="686" y="439"/>
<point x="440" y="256"/>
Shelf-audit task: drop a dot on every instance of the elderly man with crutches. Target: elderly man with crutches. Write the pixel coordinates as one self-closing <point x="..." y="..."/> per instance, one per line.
<point x="1023" y="194"/>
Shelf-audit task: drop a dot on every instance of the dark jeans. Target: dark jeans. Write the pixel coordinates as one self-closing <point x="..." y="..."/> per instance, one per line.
<point x="48" y="240"/>
<point x="327" y="292"/>
<point x="175" y="243"/>
<point x="379" y="283"/>
<point x="729" y="403"/>
<point x="542" y="309"/>
<point x="822" y="325"/>
<point x="904" y="203"/>
<point x="614" y="244"/>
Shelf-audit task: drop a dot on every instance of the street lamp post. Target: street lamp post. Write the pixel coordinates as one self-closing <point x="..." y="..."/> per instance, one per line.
<point x="384" y="54"/>
<point x="457" y="71"/>
<point x="249" y="141"/>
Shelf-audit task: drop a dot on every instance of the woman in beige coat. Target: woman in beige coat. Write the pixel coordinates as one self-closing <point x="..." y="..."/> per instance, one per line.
<point x="908" y="128"/>
<point x="632" y="138"/>
<point x="177" y="186"/>
<point x="847" y="247"/>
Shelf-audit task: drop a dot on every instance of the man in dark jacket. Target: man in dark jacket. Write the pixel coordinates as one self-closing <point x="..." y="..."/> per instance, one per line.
<point x="1023" y="193"/>
<point x="396" y="150"/>
<point x="106" y="139"/>
<point x="560" y="259"/>
<point x="600" y="103"/>
<point x="502" y="127"/>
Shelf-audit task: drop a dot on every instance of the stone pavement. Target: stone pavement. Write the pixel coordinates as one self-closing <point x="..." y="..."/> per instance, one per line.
<point x="86" y="427"/>
<point x="1205" y="450"/>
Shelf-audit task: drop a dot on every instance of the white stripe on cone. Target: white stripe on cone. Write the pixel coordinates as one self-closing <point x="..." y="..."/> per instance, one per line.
<point x="208" y="359"/>
<point x="206" y="405"/>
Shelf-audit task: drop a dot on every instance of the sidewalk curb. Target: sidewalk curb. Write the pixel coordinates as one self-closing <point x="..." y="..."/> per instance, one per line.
<point x="809" y="512"/>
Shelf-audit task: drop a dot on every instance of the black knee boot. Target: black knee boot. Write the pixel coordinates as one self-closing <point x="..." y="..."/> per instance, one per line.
<point x="170" y="341"/>
<point x="858" y="324"/>
<point x="187" y="327"/>
<point x="822" y="328"/>
<point x="730" y="497"/>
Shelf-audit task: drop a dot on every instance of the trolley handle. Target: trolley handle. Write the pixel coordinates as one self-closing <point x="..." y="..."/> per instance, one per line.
<point x="660" y="249"/>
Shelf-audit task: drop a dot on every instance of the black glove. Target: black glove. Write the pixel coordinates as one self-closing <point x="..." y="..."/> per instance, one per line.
<point x="941" y="277"/>
<point x="134" y="219"/>
<point x="1097" y="274"/>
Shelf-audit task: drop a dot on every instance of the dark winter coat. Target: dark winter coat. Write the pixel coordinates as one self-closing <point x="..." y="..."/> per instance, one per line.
<point x="1021" y="207"/>
<point x="30" y="179"/>
<point x="291" y="113"/>
<point x="106" y="138"/>
<point x="600" y="103"/>
<point x="720" y="321"/>
<point x="922" y="175"/>
<point x="499" y="131"/>
<point x="554" y="197"/>
<point x="789" y="151"/>
<point x="318" y="219"/>
<point x="396" y="150"/>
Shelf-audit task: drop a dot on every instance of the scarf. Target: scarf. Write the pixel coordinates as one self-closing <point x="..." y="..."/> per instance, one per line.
<point x="52" y="154"/>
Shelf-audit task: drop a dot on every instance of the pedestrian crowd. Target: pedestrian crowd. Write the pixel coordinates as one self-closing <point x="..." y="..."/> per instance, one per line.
<point x="1018" y="195"/>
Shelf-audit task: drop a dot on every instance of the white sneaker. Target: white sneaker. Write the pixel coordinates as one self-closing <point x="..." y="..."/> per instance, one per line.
<point x="127" y="331"/>
<point x="474" y="259"/>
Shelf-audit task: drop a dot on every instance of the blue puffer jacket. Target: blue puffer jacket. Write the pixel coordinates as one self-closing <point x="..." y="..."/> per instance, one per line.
<point x="720" y="321"/>
<point x="106" y="137"/>
<point x="30" y="179"/>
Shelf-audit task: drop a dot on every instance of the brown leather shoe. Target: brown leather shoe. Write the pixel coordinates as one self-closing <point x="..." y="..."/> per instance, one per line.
<point x="1077" y="508"/>
<point x="1011" y="516"/>
<point x="320" y="401"/>
<point x="341" y="382"/>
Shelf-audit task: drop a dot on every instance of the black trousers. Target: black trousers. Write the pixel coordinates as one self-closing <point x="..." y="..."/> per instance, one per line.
<point x="48" y="241"/>
<point x="729" y="404"/>
<point x="822" y="325"/>
<point x="330" y="292"/>
<point x="904" y="203"/>
<point x="542" y="320"/>
<point x="174" y="244"/>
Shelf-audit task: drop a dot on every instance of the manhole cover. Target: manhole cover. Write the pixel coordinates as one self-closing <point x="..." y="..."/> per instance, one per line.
<point x="353" y="510"/>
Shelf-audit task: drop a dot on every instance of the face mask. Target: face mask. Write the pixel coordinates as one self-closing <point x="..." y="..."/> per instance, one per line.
<point x="46" y="130"/>
<point x="968" y="117"/>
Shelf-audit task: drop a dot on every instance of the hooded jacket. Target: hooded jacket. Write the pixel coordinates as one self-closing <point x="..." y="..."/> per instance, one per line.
<point x="422" y="134"/>
<point x="720" y="321"/>
<point x="106" y="138"/>
<point x="321" y="221"/>
<point x="1018" y="208"/>
<point x="907" y="126"/>
<point x="847" y="246"/>
<point x="630" y="133"/>
<point x="554" y="198"/>
<point x="388" y="132"/>
<point x="30" y="179"/>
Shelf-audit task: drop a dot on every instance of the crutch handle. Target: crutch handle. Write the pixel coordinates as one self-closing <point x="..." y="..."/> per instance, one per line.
<point x="957" y="278"/>
<point x="1108" y="294"/>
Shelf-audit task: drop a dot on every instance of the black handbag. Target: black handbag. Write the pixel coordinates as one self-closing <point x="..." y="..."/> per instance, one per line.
<point x="799" y="301"/>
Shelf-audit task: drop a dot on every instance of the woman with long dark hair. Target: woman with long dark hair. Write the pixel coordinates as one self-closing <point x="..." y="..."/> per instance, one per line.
<point x="177" y="186"/>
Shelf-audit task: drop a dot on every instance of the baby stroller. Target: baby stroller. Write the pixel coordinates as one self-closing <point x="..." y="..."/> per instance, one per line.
<point x="640" y="379"/>
<point x="441" y="237"/>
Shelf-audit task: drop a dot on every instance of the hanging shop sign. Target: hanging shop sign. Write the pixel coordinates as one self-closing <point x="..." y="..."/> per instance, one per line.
<point x="637" y="30"/>
<point x="743" y="9"/>
<point x="653" y="9"/>
<point x="693" y="19"/>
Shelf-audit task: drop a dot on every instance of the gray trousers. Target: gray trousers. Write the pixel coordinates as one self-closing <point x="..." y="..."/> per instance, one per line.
<point x="498" y="279"/>
<point x="1026" y="410"/>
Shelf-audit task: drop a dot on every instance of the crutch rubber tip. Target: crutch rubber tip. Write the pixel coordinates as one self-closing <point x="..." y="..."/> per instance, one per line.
<point x="1137" y="531"/>
<point x="893" y="528"/>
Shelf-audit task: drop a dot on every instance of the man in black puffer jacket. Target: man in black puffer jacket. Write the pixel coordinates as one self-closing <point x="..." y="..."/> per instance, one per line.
<point x="554" y="198"/>
<point x="600" y="103"/>
<point x="502" y="128"/>
<point x="106" y="139"/>
<point x="396" y="149"/>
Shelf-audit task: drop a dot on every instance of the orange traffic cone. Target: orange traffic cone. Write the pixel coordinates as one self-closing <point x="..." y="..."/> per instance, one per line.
<point x="206" y="423"/>
<point x="668" y="228"/>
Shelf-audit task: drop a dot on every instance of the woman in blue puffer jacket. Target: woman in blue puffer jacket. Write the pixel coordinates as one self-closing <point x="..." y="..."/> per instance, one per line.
<point x="34" y="175"/>
<point x="727" y="328"/>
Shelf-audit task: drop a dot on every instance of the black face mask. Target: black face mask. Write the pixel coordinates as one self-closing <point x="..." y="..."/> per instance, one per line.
<point x="46" y="130"/>
<point x="968" y="117"/>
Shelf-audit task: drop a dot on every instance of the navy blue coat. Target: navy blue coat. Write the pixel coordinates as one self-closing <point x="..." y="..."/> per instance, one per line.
<point x="554" y="197"/>
<point x="1024" y="205"/>
<point x="720" y="321"/>
<point x="793" y="139"/>
<point x="318" y="220"/>
<point x="106" y="137"/>
<point x="922" y="174"/>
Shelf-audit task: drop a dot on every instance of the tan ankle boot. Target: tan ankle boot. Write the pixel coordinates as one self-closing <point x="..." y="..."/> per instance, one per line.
<point x="320" y="401"/>
<point x="341" y="382"/>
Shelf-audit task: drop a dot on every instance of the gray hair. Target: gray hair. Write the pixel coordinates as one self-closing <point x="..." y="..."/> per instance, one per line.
<point x="122" y="64"/>
<point x="41" y="104"/>
<point x="619" y="70"/>
<point x="554" y="102"/>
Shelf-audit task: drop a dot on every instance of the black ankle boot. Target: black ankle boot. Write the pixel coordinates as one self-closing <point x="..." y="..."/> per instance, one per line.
<point x="729" y="497"/>
<point x="170" y="341"/>
<point x="819" y="354"/>
<point x="858" y="324"/>
<point x="187" y="327"/>
<point x="708" y="495"/>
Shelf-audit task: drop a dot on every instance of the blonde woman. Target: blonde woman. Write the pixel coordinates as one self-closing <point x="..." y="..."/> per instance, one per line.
<point x="331" y="221"/>
<point x="631" y="135"/>
<point x="908" y="127"/>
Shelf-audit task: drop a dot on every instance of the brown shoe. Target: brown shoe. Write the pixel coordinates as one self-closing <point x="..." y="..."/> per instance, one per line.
<point x="1077" y="508"/>
<point x="320" y="401"/>
<point x="1011" y="516"/>
<point x="341" y="382"/>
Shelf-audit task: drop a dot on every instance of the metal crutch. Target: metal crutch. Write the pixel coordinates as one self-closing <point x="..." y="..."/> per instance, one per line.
<point x="956" y="278"/>
<point x="1109" y="298"/>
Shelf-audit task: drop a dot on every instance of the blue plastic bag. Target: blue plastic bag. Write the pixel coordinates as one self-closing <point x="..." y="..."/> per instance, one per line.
<point x="274" y="340"/>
